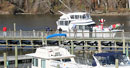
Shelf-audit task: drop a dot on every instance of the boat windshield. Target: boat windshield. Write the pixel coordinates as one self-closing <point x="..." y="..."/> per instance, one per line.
<point x="64" y="60"/>
<point x="110" y="60"/>
<point x="84" y="16"/>
<point x="64" y="23"/>
<point x="82" y="27"/>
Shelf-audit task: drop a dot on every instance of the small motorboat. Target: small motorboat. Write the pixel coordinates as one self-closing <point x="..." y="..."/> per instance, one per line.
<point x="107" y="60"/>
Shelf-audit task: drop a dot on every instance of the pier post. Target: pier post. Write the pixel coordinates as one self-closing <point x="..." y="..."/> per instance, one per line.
<point x="5" y="60"/>
<point x="82" y="34"/>
<point x="20" y="33"/>
<point x="14" y="29"/>
<point x="123" y="42"/>
<point x="32" y="44"/>
<point x="95" y="33"/>
<point x="115" y="46"/>
<point x="99" y="47"/>
<point x="116" y="62"/>
<point x="59" y="41"/>
<point x="42" y="38"/>
<point x="34" y="34"/>
<point x="16" y="56"/>
<point x="127" y="51"/>
<point x="69" y="32"/>
<point x="72" y="47"/>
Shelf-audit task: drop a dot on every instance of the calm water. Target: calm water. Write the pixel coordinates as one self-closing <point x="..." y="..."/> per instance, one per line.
<point x="39" y="22"/>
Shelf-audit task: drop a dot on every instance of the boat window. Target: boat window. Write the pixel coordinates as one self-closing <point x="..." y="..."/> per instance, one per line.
<point x="77" y="27"/>
<point x="84" y="16"/>
<point x="88" y="16"/>
<point x="57" y="60"/>
<point x="81" y="17"/>
<point x="72" y="16"/>
<point x="57" y="54"/>
<point x="86" y="27"/>
<point x="43" y="63"/>
<point x="66" y="60"/>
<point x="66" y="22"/>
<point x="76" y="16"/>
<point x="80" y="27"/>
<point x="61" y="22"/>
<point x="35" y="62"/>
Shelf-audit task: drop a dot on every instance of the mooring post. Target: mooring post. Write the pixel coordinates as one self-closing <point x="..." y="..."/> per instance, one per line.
<point x="95" y="33"/>
<point x="82" y="34"/>
<point x="32" y="44"/>
<point x="115" y="46"/>
<point x="5" y="60"/>
<point x="42" y="38"/>
<point x="14" y="29"/>
<point x="123" y="43"/>
<point x="16" y="56"/>
<point x="20" y="33"/>
<point x="127" y="51"/>
<point x="59" y="41"/>
<point x="72" y="47"/>
<point x="116" y="62"/>
<point x="99" y="47"/>
<point x="69" y="32"/>
<point x="34" y="33"/>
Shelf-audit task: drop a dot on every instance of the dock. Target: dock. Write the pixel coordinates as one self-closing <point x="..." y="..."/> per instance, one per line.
<point x="12" y="58"/>
<point x="38" y="38"/>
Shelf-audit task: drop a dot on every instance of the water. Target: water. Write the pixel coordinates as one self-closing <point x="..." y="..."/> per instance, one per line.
<point x="39" y="22"/>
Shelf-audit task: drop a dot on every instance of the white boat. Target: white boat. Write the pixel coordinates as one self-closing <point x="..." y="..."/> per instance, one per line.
<point x="107" y="60"/>
<point x="54" y="57"/>
<point x="80" y="24"/>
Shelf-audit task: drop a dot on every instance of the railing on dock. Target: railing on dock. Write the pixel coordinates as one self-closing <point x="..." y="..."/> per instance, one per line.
<point x="39" y="34"/>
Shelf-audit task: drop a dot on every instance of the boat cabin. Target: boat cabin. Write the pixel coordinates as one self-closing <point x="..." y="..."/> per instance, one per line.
<point x="51" y="57"/>
<point x="80" y="19"/>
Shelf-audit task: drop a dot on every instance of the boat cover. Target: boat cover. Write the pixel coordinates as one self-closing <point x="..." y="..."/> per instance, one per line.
<point x="107" y="54"/>
<point x="54" y="35"/>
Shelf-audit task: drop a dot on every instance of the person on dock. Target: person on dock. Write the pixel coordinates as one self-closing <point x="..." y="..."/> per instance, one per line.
<point x="4" y="31"/>
<point x="47" y="30"/>
<point x="60" y="30"/>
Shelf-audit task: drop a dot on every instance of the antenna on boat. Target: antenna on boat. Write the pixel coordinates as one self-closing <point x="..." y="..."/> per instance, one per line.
<point x="61" y="12"/>
<point x="66" y="5"/>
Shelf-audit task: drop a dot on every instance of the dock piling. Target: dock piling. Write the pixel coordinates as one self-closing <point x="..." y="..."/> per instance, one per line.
<point x="16" y="56"/>
<point x="72" y="47"/>
<point x="116" y="62"/>
<point x="99" y="47"/>
<point x="123" y="42"/>
<point x="5" y="60"/>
